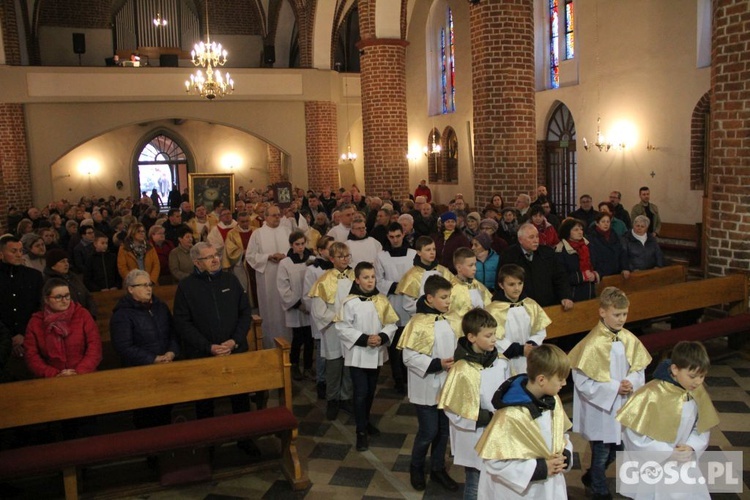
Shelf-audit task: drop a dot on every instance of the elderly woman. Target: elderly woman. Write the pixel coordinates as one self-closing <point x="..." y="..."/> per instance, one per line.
<point x="618" y="226"/>
<point x="490" y="227"/>
<point x="34" y="251"/>
<point x="62" y="339"/>
<point x="143" y="333"/>
<point x="508" y="228"/>
<point x="488" y="261"/>
<point x="24" y="226"/>
<point x="472" y="224"/>
<point x="136" y="253"/>
<point x="574" y="255"/>
<point x="641" y="249"/>
<point x="607" y="254"/>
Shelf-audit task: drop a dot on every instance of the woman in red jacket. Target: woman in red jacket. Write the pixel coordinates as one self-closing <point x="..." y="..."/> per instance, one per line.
<point x="62" y="339"/>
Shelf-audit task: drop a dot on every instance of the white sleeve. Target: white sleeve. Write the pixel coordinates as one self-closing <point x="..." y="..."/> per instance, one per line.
<point x="310" y="280"/>
<point x="639" y="442"/>
<point x="390" y="331"/>
<point x="384" y="285"/>
<point x="539" y="336"/>
<point x="698" y="442"/>
<point x="466" y="424"/>
<point x="417" y="362"/>
<point x="254" y="257"/>
<point x="410" y="305"/>
<point x="600" y="394"/>
<point x="284" y="284"/>
<point x="345" y="330"/>
<point x="214" y="237"/>
<point x="637" y="379"/>
<point x="515" y="474"/>
<point x="321" y="313"/>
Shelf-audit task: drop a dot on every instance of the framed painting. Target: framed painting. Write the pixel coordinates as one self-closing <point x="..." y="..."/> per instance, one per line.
<point x="207" y="189"/>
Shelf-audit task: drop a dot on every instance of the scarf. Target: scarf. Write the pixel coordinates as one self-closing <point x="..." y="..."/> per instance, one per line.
<point x="323" y="264"/>
<point x="57" y="328"/>
<point x="602" y="233"/>
<point x="584" y="258"/>
<point x="427" y="267"/>
<point x="139" y="249"/>
<point x="297" y="258"/>
<point x="642" y="239"/>
<point x="447" y="234"/>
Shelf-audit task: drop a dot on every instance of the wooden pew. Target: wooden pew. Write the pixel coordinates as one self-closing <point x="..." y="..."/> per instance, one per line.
<point x="656" y="302"/>
<point x="48" y="400"/>
<point x="644" y="280"/>
<point x="681" y="240"/>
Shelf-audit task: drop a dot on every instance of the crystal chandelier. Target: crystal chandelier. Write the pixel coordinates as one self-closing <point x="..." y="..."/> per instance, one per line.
<point x="209" y="55"/>
<point x="433" y="149"/>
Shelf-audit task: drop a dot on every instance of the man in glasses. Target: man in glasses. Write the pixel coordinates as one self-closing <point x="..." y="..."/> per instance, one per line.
<point x="212" y="317"/>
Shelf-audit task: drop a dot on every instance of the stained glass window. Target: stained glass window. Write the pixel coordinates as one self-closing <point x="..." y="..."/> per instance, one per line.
<point x="554" y="52"/>
<point x="447" y="65"/>
<point x="569" y="30"/>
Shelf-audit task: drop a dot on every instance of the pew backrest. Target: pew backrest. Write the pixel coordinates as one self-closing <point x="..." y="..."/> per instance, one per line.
<point x="644" y="280"/>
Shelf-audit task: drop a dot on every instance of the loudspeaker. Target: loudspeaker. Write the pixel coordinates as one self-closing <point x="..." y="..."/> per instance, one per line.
<point x="169" y="61"/>
<point x="79" y="43"/>
<point x="269" y="54"/>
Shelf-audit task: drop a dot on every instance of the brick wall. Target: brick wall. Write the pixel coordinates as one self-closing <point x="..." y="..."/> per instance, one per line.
<point x="274" y="164"/>
<point x="11" y="41"/>
<point x="321" y="132"/>
<point x="698" y="150"/>
<point x="231" y="17"/>
<point x="502" y="56"/>
<point x="92" y="14"/>
<point x="385" y="134"/>
<point x="304" y="12"/>
<point x="15" y="185"/>
<point x="541" y="164"/>
<point x="728" y="217"/>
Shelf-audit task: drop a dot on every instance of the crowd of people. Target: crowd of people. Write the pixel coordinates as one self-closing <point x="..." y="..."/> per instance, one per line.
<point x="353" y="281"/>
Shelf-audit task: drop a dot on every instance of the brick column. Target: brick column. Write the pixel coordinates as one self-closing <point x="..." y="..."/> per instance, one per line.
<point x="15" y="176"/>
<point x="322" y="147"/>
<point x="10" y="32"/>
<point x="384" y="128"/>
<point x="274" y="164"/>
<point x="502" y="56"/>
<point x="728" y="215"/>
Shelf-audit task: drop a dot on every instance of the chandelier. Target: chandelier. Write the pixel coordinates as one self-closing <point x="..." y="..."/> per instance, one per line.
<point x="433" y="148"/>
<point x="600" y="144"/>
<point x="209" y="55"/>
<point x="349" y="156"/>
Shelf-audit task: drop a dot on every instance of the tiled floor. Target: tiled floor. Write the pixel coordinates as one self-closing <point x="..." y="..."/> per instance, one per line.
<point x="338" y="471"/>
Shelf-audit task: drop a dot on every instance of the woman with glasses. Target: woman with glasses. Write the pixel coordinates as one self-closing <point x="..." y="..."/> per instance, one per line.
<point x="62" y="339"/>
<point x="137" y="253"/>
<point x="142" y="332"/>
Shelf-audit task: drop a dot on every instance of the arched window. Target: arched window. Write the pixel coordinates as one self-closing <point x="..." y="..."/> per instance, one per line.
<point x="561" y="159"/>
<point x="347" y="53"/>
<point x="161" y="163"/>
<point x="441" y="62"/>
<point x="450" y="156"/>
<point x="433" y="151"/>
<point x="700" y="127"/>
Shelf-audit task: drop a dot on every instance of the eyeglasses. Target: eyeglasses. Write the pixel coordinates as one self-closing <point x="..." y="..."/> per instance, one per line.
<point x="149" y="285"/>
<point x="60" y="297"/>
<point x="208" y="257"/>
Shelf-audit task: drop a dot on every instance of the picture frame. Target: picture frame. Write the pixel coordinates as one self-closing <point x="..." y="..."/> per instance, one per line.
<point x="205" y="189"/>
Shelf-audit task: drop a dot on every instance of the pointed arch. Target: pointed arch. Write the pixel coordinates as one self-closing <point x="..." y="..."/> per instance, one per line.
<point x="700" y="127"/>
<point x="560" y="158"/>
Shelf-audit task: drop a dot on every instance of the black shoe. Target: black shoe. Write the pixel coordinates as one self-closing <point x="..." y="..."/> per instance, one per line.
<point x="442" y="478"/>
<point x="321" y="388"/>
<point x="372" y="430"/>
<point x="417" y="478"/>
<point x="250" y="448"/>
<point x="362" y="444"/>
<point x="400" y="387"/>
<point x="346" y="405"/>
<point x="586" y="479"/>
<point x="332" y="409"/>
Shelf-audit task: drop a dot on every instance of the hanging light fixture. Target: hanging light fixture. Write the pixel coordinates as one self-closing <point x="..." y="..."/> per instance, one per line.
<point x="433" y="148"/>
<point x="348" y="156"/>
<point x="209" y="55"/>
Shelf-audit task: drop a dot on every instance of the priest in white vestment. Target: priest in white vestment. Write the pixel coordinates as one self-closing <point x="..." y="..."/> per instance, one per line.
<point x="267" y="247"/>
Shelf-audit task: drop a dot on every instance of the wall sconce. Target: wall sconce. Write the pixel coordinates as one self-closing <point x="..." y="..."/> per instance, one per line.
<point x="88" y="167"/>
<point x="650" y="147"/>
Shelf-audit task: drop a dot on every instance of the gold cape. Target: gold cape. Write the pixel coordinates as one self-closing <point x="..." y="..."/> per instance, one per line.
<point x="460" y="393"/>
<point x="514" y="435"/>
<point x="386" y="314"/>
<point x="328" y="283"/>
<point x="499" y="311"/>
<point x="411" y="283"/>
<point x="461" y="301"/>
<point x="419" y="333"/>
<point x="591" y="355"/>
<point x="655" y="410"/>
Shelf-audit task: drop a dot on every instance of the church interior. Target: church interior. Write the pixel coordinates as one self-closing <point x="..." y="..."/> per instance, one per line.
<point x="477" y="97"/>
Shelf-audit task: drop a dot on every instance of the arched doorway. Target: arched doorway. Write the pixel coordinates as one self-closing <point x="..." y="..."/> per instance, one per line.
<point x="161" y="163"/>
<point x="560" y="160"/>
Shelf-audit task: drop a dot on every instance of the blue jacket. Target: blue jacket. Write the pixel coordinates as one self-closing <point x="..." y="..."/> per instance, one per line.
<point x="140" y="333"/>
<point x="639" y="256"/>
<point x="607" y="255"/>
<point x="487" y="270"/>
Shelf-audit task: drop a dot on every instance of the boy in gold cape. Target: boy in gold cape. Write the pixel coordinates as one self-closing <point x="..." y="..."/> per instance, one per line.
<point x="467" y="293"/>
<point x="466" y="398"/>
<point x="608" y="365"/>
<point x="672" y="415"/>
<point x="412" y="284"/>
<point x="525" y="448"/>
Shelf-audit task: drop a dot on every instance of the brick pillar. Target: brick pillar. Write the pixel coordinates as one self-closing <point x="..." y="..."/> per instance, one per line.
<point x="274" y="164"/>
<point x="728" y="215"/>
<point x="15" y="183"/>
<point x="322" y="147"/>
<point x="502" y="56"/>
<point x="10" y="32"/>
<point x="384" y="128"/>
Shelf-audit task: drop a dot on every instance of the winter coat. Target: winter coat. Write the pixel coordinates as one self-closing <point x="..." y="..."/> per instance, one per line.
<point x="639" y="256"/>
<point x="568" y="258"/>
<point x="101" y="272"/>
<point x="140" y="333"/>
<point x="487" y="270"/>
<point x="446" y="248"/>
<point x="607" y="255"/>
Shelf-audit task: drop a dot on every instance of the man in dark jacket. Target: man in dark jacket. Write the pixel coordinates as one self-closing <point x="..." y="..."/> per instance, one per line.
<point x="212" y="317"/>
<point x="546" y="280"/>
